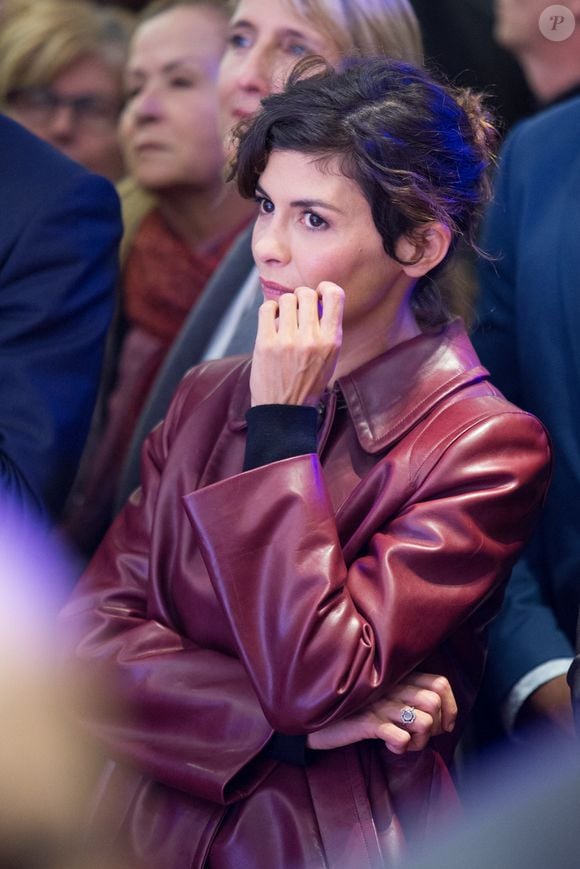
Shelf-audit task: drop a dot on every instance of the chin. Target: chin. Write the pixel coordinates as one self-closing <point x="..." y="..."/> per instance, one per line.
<point x="153" y="182"/>
<point x="505" y="36"/>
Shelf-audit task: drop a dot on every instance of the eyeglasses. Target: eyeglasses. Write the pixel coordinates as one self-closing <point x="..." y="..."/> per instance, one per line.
<point x="92" y="112"/>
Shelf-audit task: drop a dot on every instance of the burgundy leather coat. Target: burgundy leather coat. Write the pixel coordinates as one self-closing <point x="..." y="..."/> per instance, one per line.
<point x="224" y="605"/>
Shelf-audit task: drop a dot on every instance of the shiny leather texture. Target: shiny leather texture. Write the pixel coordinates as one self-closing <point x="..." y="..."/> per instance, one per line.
<point x="224" y="605"/>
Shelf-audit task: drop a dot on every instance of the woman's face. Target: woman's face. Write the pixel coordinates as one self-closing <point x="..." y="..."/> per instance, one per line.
<point x="517" y="23"/>
<point x="169" y="127"/>
<point x="314" y="224"/>
<point x="265" y="41"/>
<point x="78" y="114"/>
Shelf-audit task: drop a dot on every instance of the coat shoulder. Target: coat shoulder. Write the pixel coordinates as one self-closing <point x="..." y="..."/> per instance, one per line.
<point x="482" y="424"/>
<point x="221" y="383"/>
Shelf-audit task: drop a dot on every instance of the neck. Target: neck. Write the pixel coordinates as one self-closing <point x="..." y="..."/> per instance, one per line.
<point x="553" y="74"/>
<point x="202" y="219"/>
<point x="371" y="338"/>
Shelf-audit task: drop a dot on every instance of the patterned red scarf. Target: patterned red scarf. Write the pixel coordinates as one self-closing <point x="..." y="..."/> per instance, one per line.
<point x="163" y="277"/>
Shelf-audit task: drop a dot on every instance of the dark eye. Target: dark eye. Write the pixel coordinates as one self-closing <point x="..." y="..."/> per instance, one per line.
<point x="296" y="49"/>
<point x="238" y="40"/>
<point x="95" y="107"/>
<point x="181" y="81"/>
<point x="265" y="205"/>
<point x="313" y="220"/>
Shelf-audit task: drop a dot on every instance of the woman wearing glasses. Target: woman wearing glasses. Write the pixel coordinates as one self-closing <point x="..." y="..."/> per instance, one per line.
<point x="61" y="68"/>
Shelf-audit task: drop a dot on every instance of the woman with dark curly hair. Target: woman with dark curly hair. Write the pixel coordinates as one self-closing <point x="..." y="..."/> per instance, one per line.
<point x="321" y="519"/>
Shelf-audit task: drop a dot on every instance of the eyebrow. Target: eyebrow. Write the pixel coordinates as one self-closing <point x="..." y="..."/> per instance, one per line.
<point x="286" y="31"/>
<point x="168" y="67"/>
<point x="242" y="23"/>
<point x="304" y="203"/>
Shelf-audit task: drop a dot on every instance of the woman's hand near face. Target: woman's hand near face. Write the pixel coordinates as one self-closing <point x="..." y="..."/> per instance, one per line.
<point x="296" y="350"/>
<point x="435" y="710"/>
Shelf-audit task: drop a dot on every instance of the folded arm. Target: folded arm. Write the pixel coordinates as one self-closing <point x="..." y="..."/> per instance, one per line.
<point x="184" y="715"/>
<point x="321" y="637"/>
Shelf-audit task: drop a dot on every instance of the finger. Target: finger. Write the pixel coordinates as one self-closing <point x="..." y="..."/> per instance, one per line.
<point x="308" y="319"/>
<point x="395" y="738"/>
<point x="287" y="315"/>
<point x="332" y="298"/>
<point x="267" y="313"/>
<point x="441" y="686"/>
<point x="427" y="701"/>
<point x="421" y="729"/>
<point x="345" y="732"/>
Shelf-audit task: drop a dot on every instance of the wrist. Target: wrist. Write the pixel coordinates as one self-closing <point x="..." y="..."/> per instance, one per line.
<point x="279" y="431"/>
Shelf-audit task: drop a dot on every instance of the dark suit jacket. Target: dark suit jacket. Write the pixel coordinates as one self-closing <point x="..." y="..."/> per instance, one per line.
<point x="528" y="339"/>
<point x="59" y="230"/>
<point x="574" y="681"/>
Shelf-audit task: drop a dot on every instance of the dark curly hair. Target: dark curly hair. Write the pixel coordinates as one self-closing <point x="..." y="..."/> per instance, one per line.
<point x="418" y="149"/>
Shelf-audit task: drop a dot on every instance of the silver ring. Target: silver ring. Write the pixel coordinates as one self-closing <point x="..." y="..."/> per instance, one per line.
<point x="408" y="714"/>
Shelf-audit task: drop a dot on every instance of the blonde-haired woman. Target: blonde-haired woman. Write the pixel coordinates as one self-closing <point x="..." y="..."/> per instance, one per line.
<point x="366" y="28"/>
<point x="266" y="41"/>
<point x="61" y="67"/>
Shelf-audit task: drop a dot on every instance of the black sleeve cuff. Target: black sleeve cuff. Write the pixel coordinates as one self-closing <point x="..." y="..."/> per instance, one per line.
<point x="279" y="431"/>
<point x="288" y="749"/>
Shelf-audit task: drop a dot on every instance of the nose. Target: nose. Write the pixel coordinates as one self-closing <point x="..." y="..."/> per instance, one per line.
<point x="254" y="71"/>
<point x="270" y="244"/>
<point x="62" y="124"/>
<point x="147" y="105"/>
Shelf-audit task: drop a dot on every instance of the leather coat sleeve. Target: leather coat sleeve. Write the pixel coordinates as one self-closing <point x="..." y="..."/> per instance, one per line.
<point x="323" y="625"/>
<point x="194" y="721"/>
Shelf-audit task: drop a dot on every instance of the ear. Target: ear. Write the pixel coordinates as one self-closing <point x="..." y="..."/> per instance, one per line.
<point x="424" y="250"/>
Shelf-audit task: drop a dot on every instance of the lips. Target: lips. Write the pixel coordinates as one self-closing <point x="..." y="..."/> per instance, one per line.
<point x="242" y="114"/>
<point x="273" y="290"/>
<point x="149" y="146"/>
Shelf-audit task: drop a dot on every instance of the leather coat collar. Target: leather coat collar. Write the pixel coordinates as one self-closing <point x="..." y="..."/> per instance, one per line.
<point x="392" y="393"/>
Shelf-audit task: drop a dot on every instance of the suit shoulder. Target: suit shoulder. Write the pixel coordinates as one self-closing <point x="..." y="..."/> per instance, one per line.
<point x="539" y="129"/>
<point x="27" y="163"/>
<point x="22" y="150"/>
